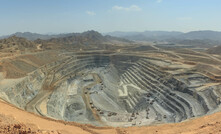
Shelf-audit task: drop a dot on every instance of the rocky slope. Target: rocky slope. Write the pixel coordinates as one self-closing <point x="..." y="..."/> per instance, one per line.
<point x="14" y="43"/>
<point x="87" y="40"/>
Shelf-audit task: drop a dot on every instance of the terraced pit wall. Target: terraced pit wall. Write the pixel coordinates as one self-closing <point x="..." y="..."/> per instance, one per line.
<point x="116" y="90"/>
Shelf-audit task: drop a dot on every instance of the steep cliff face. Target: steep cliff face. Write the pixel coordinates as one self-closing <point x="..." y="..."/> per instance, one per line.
<point x="65" y="105"/>
<point x="20" y="92"/>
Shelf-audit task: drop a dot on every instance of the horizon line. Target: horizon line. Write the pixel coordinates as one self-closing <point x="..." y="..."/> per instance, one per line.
<point x="53" y="33"/>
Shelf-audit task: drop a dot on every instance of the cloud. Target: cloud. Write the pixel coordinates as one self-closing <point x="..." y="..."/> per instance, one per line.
<point x="91" y="13"/>
<point x="159" y="1"/>
<point x="131" y="8"/>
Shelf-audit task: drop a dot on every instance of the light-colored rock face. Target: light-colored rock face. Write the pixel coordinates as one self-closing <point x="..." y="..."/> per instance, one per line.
<point x="20" y="91"/>
<point x="115" y="90"/>
<point x="1" y="76"/>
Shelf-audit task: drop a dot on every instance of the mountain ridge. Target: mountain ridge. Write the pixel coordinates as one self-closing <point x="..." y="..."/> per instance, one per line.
<point x="136" y="36"/>
<point x="168" y="35"/>
<point x="86" y="40"/>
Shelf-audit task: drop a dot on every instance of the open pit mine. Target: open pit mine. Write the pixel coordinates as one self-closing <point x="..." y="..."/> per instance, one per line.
<point x="122" y="86"/>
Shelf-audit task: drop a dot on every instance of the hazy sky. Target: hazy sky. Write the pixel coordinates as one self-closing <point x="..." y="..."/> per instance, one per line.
<point x="62" y="16"/>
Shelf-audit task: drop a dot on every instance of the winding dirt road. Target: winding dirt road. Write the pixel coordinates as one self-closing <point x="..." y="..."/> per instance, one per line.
<point x="86" y="98"/>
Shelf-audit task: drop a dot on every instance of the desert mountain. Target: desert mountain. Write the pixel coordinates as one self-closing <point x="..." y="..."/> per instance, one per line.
<point x="215" y="50"/>
<point x="200" y="35"/>
<point x="145" y="36"/>
<point x="89" y="34"/>
<point x="14" y="43"/>
<point x="137" y="36"/>
<point x="85" y="40"/>
<point x="35" y="36"/>
<point x="164" y="35"/>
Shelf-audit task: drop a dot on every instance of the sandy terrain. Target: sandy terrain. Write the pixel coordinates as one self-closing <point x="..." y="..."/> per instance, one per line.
<point x="14" y="120"/>
<point x="36" y="122"/>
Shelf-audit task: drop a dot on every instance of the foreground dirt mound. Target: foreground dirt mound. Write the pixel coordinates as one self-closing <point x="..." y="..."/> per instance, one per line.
<point x="16" y="121"/>
<point x="8" y="125"/>
<point x="16" y="128"/>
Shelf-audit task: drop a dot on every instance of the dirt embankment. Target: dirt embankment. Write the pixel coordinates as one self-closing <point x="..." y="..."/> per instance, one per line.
<point x="14" y="120"/>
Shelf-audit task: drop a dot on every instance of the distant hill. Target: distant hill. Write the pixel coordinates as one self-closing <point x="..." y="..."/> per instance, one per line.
<point x="32" y="36"/>
<point x="89" y="36"/>
<point x="85" y="40"/>
<point x="200" y="35"/>
<point x="36" y="36"/>
<point x="145" y="36"/>
<point x="14" y="43"/>
<point x="215" y="50"/>
<point x="85" y="37"/>
<point x="136" y="36"/>
<point x="29" y="36"/>
<point x="165" y="36"/>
